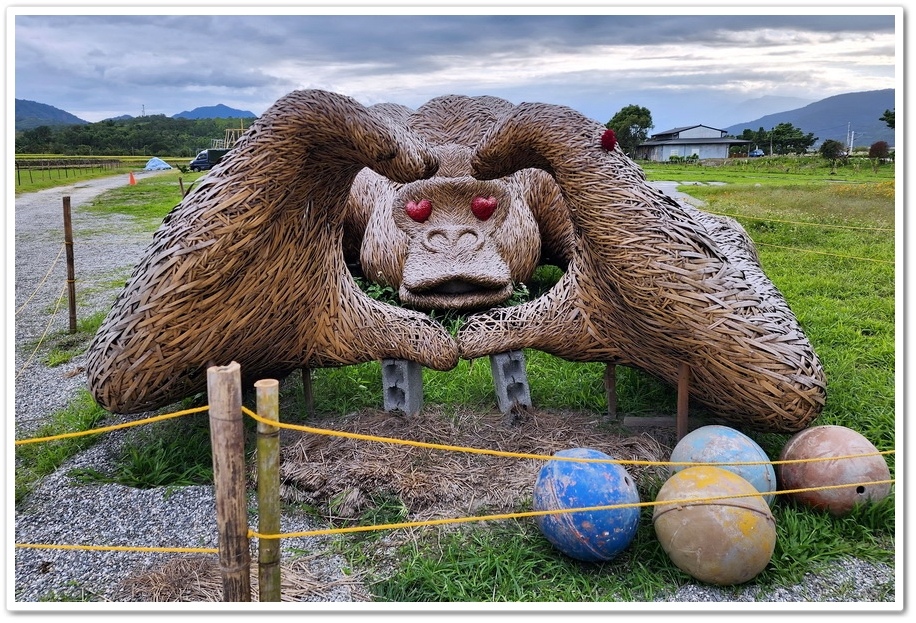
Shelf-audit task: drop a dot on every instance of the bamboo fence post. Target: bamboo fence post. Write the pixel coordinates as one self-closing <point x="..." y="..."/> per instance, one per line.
<point x="683" y="399"/>
<point x="268" y="399"/>
<point x="71" y="271"/>
<point x="227" y="437"/>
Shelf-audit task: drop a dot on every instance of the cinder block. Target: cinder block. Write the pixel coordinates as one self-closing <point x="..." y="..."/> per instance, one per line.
<point x="402" y="385"/>
<point x="510" y="379"/>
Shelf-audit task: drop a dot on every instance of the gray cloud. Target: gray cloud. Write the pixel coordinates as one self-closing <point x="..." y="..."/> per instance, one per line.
<point x="101" y="64"/>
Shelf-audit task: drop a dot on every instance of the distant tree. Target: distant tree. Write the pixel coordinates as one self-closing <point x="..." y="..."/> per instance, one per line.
<point x="833" y="151"/>
<point x="760" y="138"/>
<point x="631" y="125"/>
<point x="151" y="134"/>
<point x="878" y="151"/>
<point x="787" y="139"/>
<point x="888" y="118"/>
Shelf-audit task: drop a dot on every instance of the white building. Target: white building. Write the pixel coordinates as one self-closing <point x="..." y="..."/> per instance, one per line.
<point x="700" y="140"/>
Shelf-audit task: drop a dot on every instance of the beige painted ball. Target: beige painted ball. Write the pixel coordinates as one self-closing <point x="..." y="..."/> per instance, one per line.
<point x="718" y="541"/>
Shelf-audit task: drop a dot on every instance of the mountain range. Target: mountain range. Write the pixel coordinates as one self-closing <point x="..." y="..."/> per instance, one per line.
<point x="849" y="118"/>
<point x="220" y="111"/>
<point x="852" y="119"/>
<point x="30" y="115"/>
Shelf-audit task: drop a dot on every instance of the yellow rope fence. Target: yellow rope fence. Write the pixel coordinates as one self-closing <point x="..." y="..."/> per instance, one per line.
<point x="433" y="446"/>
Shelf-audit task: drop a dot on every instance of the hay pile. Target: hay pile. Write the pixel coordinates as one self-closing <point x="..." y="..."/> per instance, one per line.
<point x="347" y="476"/>
<point x="197" y="579"/>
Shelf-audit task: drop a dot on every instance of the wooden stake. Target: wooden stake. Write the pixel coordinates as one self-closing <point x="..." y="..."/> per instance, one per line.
<point x="268" y="396"/>
<point x="610" y="389"/>
<point x="227" y="437"/>
<point x="683" y="399"/>
<point x="71" y="271"/>
<point x="307" y="392"/>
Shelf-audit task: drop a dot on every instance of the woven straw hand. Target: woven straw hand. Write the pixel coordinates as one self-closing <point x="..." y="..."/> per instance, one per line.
<point x="249" y="267"/>
<point x="652" y="284"/>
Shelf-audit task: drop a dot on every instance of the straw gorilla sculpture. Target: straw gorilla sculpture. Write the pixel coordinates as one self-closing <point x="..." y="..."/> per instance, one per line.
<point x="452" y="204"/>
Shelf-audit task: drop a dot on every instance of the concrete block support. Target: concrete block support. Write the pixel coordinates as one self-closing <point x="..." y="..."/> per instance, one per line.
<point x="510" y="379"/>
<point x="402" y="385"/>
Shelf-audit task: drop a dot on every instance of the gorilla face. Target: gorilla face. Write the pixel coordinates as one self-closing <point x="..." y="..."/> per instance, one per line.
<point x="450" y="242"/>
<point x="453" y="260"/>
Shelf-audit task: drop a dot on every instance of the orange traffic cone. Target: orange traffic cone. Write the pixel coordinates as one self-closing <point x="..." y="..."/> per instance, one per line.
<point x="132" y="181"/>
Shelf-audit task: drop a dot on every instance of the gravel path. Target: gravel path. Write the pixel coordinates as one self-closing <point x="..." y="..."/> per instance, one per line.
<point x="105" y="251"/>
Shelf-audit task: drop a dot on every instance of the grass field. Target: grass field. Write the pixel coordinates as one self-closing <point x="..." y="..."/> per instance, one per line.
<point x="826" y="240"/>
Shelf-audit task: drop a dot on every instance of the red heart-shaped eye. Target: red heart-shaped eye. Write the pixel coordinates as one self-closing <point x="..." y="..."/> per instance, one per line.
<point x="419" y="211"/>
<point x="483" y="207"/>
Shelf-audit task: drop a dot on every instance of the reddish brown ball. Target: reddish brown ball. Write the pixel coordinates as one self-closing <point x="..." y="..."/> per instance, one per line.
<point x="868" y="476"/>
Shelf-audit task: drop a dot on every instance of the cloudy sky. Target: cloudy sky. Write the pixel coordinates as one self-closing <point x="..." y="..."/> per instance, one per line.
<point x="685" y="66"/>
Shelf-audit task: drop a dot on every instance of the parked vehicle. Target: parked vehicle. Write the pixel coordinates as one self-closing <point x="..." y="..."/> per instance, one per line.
<point x="207" y="159"/>
<point x="756" y="153"/>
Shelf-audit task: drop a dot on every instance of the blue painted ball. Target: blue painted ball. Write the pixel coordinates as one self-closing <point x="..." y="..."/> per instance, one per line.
<point x="722" y="444"/>
<point x="593" y="535"/>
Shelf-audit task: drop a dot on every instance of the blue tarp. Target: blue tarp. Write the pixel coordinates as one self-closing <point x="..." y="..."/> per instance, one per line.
<point x="156" y="164"/>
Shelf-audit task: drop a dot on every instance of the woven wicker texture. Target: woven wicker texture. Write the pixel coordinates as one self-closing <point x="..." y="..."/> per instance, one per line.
<point x="452" y="258"/>
<point x="651" y="283"/>
<point x="252" y="265"/>
<point x="249" y="267"/>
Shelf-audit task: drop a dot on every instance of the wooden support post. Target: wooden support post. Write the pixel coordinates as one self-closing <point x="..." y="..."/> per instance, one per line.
<point x="227" y="437"/>
<point x="268" y="397"/>
<point x="307" y="395"/>
<point x="71" y="270"/>
<point x="683" y="399"/>
<point x="610" y="389"/>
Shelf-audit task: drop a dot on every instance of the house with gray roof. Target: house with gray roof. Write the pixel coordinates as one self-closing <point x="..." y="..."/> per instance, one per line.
<point x="702" y="140"/>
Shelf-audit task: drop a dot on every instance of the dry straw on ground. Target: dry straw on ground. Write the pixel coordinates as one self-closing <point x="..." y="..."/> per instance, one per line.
<point x="197" y="579"/>
<point x="345" y="478"/>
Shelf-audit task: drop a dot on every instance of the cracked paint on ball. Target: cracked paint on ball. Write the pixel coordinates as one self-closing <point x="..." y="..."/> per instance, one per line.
<point x="589" y="536"/>
<point x="853" y="467"/>
<point x="722" y="444"/>
<point x="715" y="538"/>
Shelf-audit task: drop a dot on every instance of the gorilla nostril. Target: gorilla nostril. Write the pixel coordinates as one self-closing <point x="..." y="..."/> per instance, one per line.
<point x="467" y="238"/>
<point x="442" y="239"/>
<point x="438" y="240"/>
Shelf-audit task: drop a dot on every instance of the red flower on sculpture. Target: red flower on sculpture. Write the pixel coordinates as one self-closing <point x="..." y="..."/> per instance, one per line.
<point x="609" y="140"/>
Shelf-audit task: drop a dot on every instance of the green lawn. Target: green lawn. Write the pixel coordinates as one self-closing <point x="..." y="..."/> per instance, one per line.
<point x="826" y="240"/>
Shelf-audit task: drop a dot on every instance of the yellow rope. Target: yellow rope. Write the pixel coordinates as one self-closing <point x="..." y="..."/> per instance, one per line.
<point x="121" y="548"/>
<point x="432" y="522"/>
<point x="584" y="509"/>
<point x="452" y="520"/>
<point x="775" y="220"/>
<point x="42" y="282"/>
<point x="523" y="455"/>
<point x="847" y="257"/>
<point x="43" y="335"/>
<point x="105" y="429"/>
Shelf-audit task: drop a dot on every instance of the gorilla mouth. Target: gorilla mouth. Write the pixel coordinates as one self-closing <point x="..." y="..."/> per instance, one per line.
<point x="456" y="294"/>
